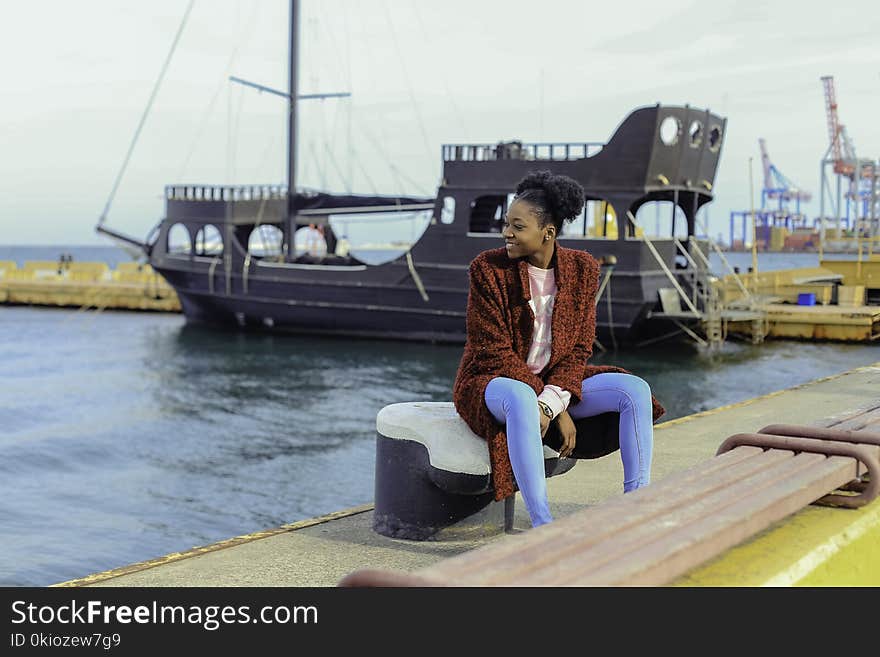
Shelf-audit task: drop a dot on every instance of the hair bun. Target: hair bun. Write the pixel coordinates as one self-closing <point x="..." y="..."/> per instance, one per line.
<point x="565" y="195"/>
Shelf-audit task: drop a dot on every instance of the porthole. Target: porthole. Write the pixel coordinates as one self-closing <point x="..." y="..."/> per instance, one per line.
<point x="670" y="130"/>
<point x="715" y="138"/>
<point x="447" y="212"/>
<point x="695" y="134"/>
<point x="179" y="240"/>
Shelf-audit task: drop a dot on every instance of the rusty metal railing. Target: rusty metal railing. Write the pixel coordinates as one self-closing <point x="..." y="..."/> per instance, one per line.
<point x="861" y="446"/>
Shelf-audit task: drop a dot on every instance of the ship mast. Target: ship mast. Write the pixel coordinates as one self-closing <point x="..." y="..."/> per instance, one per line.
<point x="293" y="49"/>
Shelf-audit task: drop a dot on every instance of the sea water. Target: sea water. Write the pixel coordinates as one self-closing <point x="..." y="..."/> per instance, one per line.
<point x="127" y="436"/>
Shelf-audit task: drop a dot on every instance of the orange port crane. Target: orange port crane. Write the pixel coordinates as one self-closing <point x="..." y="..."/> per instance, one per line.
<point x="841" y="147"/>
<point x="862" y="175"/>
<point x="836" y="132"/>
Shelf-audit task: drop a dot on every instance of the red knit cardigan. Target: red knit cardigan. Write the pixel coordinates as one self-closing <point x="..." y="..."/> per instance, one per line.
<point x="499" y="334"/>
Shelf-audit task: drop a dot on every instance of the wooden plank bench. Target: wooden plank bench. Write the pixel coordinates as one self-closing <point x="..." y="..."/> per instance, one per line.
<point x="652" y="535"/>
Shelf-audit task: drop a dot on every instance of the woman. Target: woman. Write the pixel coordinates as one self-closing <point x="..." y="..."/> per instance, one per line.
<point x="531" y="323"/>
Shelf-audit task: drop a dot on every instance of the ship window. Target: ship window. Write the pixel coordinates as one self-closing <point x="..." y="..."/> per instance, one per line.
<point x="374" y="238"/>
<point x="209" y="241"/>
<point x="600" y="220"/>
<point x="679" y="223"/>
<point x="308" y="241"/>
<point x="447" y="213"/>
<point x="266" y="240"/>
<point x="578" y="225"/>
<point x="715" y="138"/>
<point x="653" y="219"/>
<point x="179" y="240"/>
<point x="670" y="129"/>
<point x="486" y="214"/>
<point x="695" y="133"/>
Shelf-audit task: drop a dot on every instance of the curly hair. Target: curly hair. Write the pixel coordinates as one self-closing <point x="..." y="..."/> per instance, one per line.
<point x="556" y="198"/>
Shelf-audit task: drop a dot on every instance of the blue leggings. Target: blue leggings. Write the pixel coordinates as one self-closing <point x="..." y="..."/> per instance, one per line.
<point x="514" y="404"/>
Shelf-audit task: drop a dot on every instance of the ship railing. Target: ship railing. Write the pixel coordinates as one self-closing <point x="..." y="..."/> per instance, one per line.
<point x="225" y="192"/>
<point x="703" y="304"/>
<point x="514" y="150"/>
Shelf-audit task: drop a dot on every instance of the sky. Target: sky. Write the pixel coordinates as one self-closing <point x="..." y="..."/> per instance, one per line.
<point x="77" y="78"/>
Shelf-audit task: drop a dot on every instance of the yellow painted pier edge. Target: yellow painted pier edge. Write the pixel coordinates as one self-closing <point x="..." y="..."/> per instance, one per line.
<point x="818" y="546"/>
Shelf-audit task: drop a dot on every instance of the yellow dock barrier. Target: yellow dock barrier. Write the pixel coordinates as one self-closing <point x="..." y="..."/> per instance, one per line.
<point x="865" y="272"/>
<point x="777" y="292"/>
<point x="783" y="284"/>
<point x="838" y="323"/>
<point x="131" y="286"/>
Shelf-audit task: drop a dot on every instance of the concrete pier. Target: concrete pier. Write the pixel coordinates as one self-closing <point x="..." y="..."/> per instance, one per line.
<point x="814" y="546"/>
<point x="130" y="286"/>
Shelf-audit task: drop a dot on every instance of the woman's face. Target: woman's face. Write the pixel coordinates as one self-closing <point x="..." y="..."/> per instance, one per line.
<point x="522" y="230"/>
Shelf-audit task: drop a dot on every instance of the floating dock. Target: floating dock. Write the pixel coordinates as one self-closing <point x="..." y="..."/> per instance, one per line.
<point x="814" y="546"/>
<point x="130" y="286"/>
<point x="832" y="323"/>
<point x="831" y="302"/>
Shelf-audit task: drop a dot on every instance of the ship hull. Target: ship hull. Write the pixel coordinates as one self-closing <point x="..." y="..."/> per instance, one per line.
<point x="381" y="301"/>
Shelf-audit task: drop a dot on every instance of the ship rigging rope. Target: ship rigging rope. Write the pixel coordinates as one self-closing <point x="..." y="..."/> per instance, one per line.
<point x="415" y="276"/>
<point x="714" y="245"/>
<point x="146" y="113"/>
<point x="232" y="133"/>
<point x="610" y="314"/>
<point x="426" y="39"/>
<point x="605" y="280"/>
<point x="347" y="181"/>
<point x="222" y="84"/>
<point x="364" y="171"/>
<point x="402" y="59"/>
<point x="663" y="266"/>
<point x="247" y="258"/>
<point x="399" y="175"/>
<point x="378" y="144"/>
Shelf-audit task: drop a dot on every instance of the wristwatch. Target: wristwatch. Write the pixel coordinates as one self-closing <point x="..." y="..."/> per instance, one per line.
<point x="545" y="409"/>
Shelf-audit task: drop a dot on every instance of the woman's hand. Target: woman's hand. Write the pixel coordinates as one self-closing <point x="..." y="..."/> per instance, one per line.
<point x="545" y="421"/>
<point x="568" y="432"/>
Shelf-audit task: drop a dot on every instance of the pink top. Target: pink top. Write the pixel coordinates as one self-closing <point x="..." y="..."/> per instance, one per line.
<point x="542" y="284"/>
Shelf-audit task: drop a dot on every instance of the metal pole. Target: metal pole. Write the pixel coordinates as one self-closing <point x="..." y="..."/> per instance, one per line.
<point x="837" y="214"/>
<point x="754" y="232"/>
<point x="291" y="114"/>
<point x="875" y="229"/>
<point x="822" y="183"/>
<point x="855" y="183"/>
<point x="293" y="89"/>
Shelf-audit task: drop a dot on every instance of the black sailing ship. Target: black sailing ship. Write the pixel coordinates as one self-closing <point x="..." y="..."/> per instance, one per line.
<point x="657" y="153"/>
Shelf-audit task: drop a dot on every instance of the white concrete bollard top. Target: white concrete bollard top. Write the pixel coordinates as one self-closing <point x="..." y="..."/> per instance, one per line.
<point x="451" y="444"/>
